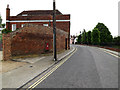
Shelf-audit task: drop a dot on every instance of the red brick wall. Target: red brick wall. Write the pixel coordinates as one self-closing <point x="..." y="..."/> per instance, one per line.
<point x="6" y="47"/>
<point x="41" y="17"/>
<point x="60" y="25"/>
<point x="31" y="39"/>
<point x="66" y="27"/>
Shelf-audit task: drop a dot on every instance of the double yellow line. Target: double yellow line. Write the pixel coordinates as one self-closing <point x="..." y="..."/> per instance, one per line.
<point x="49" y="73"/>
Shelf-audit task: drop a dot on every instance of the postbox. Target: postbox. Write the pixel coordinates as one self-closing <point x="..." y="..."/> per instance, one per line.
<point x="47" y="46"/>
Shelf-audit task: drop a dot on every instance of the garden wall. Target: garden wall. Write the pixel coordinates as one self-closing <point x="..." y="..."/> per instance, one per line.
<point x="32" y="39"/>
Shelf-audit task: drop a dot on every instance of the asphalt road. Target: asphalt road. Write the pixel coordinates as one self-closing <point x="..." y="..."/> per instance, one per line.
<point x="88" y="67"/>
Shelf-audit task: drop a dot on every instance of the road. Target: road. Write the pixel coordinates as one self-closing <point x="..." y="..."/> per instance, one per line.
<point x="88" y="67"/>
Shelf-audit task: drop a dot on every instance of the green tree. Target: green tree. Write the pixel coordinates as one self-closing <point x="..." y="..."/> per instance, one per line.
<point x="105" y="35"/>
<point x="109" y="40"/>
<point x="116" y="40"/>
<point x="84" y="37"/>
<point x="79" y="39"/>
<point x="0" y="21"/>
<point x="6" y="31"/>
<point x="95" y="36"/>
<point x="89" y="37"/>
<point x="3" y="25"/>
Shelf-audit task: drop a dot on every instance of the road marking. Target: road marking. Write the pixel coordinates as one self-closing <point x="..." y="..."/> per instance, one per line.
<point x="110" y="53"/>
<point x="50" y="72"/>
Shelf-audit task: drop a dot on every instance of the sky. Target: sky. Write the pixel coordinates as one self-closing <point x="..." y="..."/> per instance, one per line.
<point x="85" y="14"/>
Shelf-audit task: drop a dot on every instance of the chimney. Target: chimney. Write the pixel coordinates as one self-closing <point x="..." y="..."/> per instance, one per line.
<point x="7" y="17"/>
<point x="7" y="12"/>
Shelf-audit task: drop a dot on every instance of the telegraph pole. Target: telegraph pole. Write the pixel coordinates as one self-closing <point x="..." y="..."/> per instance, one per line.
<point x="54" y="31"/>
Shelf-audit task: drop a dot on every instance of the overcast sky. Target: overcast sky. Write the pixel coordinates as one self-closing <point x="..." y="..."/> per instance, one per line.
<point x="85" y="14"/>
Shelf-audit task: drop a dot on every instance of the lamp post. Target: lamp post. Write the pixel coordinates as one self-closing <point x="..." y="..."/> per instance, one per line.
<point x="54" y="31"/>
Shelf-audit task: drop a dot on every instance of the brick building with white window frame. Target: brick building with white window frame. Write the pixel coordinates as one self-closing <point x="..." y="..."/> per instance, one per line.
<point x="42" y="17"/>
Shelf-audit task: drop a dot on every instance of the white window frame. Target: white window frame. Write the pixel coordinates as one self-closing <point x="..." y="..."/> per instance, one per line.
<point x="13" y="27"/>
<point x="22" y="25"/>
<point x="24" y="15"/>
<point x="46" y="25"/>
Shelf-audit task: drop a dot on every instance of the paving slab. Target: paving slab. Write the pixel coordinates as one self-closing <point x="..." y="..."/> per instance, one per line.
<point x="29" y="60"/>
<point x="1" y="55"/>
<point x="19" y="76"/>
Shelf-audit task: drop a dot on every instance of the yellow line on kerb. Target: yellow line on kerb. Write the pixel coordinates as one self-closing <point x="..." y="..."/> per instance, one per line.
<point x="50" y="72"/>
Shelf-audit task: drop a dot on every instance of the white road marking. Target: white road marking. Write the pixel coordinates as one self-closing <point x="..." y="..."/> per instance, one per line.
<point x="110" y="53"/>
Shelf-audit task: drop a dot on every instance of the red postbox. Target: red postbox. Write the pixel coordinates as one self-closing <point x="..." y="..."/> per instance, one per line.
<point x="47" y="46"/>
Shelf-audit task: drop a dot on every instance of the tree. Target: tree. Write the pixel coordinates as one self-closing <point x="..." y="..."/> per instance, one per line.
<point x="89" y="37"/>
<point x="84" y="37"/>
<point x="116" y="40"/>
<point x="109" y="40"/>
<point x="105" y="35"/>
<point x="3" y="25"/>
<point x="0" y="21"/>
<point x="6" y="31"/>
<point x="95" y="36"/>
<point x="79" y="39"/>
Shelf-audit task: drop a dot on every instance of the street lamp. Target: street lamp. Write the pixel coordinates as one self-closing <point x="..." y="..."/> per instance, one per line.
<point x="54" y="31"/>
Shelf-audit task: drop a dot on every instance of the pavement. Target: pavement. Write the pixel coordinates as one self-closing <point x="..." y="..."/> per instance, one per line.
<point x="110" y="51"/>
<point x="16" y="77"/>
<point x="1" y="55"/>
<point x="88" y="67"/>
<point x="0" y="44"/>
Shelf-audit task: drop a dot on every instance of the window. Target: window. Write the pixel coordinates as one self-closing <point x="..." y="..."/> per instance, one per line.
<point x="24" y="15"/>
<point x="22" y="25"/>
<point x="13" y="27"/>
<point x="45" y="25"/>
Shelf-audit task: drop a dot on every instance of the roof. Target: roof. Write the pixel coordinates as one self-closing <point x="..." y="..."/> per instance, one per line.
<point x="38" y="12"/>
<point x="41" y="17"/>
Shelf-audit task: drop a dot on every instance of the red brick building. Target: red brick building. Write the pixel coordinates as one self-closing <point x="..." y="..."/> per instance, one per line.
<point x="42" y="17"/>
